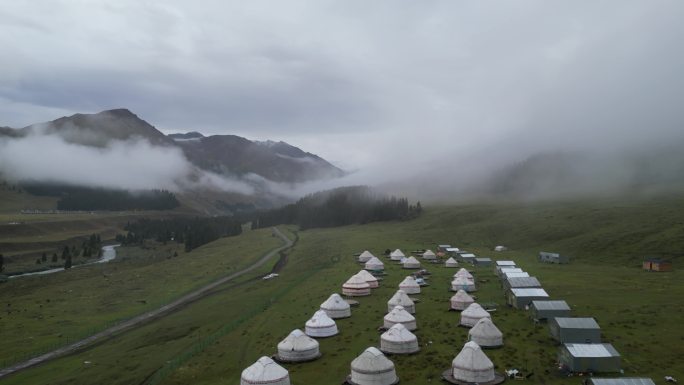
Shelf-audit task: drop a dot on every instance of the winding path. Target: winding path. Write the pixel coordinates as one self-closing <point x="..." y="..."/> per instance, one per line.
<point x="150" y="315"/>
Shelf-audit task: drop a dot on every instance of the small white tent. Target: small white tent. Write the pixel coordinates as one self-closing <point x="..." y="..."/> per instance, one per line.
<point x="265" y="371"/>
<point x="374" y="264"/>
<point x="401" y="299"/>
<point x="429" y="255"/>
<point x="365" y="256"/>
<point x="409" y="285"/>
<point x="486" y="334"/>
<point x="397" y="255"/>
<point x="500" y="248"/>
<point x="336" y="307"/>
<point x="462" y="283"/>
<point x="399" y="340"/>
<point x="356" y="287"/>
<point x="368" y="277"/>
<point x="411" y="263"/>
<point x="461" y="300"/>
<point x="400" y="316"/>
<point x="298" y="347"/>
<point x="373" y="368"/>
<point x="472" y="314"/>
<point x="451" y="262"/>
<point x="320" y="325"/>
<point x="471" y="365"/>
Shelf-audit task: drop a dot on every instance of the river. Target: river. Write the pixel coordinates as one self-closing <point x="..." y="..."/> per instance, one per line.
<point x="108" y="254"/>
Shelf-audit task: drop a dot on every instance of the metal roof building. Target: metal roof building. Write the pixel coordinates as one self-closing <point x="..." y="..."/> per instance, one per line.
<point x="503" y="270"/>
<point x="520" y="282"/>
<point x="542" y="310"/>
<point x="589" y="357"/>
<point x="466" y="257"/>
<point x="519" y="298"/>
<point x="621" y="381"/>
<point x="505" y="263"/>
<point x="482" y="262"/>
<point x="515" y="275"/>
<point x="575" y="330"/>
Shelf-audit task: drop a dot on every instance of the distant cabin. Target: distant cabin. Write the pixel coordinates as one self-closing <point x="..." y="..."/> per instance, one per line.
<point x="443" y="248"/>
<point x="553" y="258"/>
<point x="546" y="310"/>
<point x="657" y="265"/>
<point x="519" y="298"/>
<point x="595" y="358"/>
<point x="452" y="251"/>
<point x="575" y="330"/>
<point x="467" y="257"/>
<point x="621" y="381"/>
<point x="482" y="262"/>
<point x="502" y="271"/>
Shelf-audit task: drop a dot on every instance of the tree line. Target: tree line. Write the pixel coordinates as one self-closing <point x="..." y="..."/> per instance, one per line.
<point x="339" y="207"/>
<point x="78" y="198"/>
<point x="192" y="232"/>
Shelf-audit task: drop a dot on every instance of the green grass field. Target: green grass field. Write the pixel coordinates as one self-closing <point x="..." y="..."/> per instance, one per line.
<point x="639" y="312"/>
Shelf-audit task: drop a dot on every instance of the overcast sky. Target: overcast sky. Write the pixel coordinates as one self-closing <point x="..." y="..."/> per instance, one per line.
<point x="372" y="85"/>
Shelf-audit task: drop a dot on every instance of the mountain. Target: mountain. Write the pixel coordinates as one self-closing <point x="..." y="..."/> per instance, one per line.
<point x="275" y="161"/>
<point x="223" y="154"/>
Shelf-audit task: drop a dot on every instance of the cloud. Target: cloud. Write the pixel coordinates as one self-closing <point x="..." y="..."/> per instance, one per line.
<point x="130" y="165"/>
<point x="413" y="91"/>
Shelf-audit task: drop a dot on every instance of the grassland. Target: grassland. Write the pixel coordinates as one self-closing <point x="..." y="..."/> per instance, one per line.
<point x="640" y="312"/>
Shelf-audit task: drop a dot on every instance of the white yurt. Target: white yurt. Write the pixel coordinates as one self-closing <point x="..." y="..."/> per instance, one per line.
<point x="336" y="307"/>
<point x="399" y="340"/>
<point x="368" y="277"/>
<point x="461" y="300"/>
<point x="320" y="325"/>
<point x="298" y="347"/>
<point x="399" y="315"/>
<point x="401" y="299"/>
<point x="374" y="264"/>
<point x="472" y="314"/>
<point x="486" y="334"/>
<point x="411" y="263"/>
<point x="409" y="285"/>
<point x="265" y="371"/>
<point x="365" y="256"/>
<point x="397" y="255"/>
<point x="372" y="368"/>
<point x="462" y="283"/>
<point x="471" y="365"/>
<point x="429" y="255"/>
<point x="451" y="262"/>
<point x="462" y="272"/>
<point x="500" y="248"/>
<point x="356" y="287"/>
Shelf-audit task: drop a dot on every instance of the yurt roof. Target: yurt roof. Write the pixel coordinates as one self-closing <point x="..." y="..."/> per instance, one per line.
<point x="399" y="314"/>
<point x="485" y="328"/>
<point x="374" y="261"/>
<point x="335" y="302"/>
<point x="461" y="280"/>
<point x="372" y="360"/>
<point x="366" y="276"/>
<point x="462" y="296"/>
<point x="264" y="370"/>
<point x="397" y="253"/>
<point x="451" y="260"/>
<point x="463" y="271"/>
<point x="401" y="298"/>
<point x="473" y="358"/>
<point x="398" y="333"/>
<point x="409" y="280"/>
<point x="429" y="252"/>
<point x="411" y="260"/>
<point x="475" y="310"/>
<point x="366" y="254"/>
<point x="356" y="282"/>
<point x="297" y="341"/>
<point x="320" y="319"/>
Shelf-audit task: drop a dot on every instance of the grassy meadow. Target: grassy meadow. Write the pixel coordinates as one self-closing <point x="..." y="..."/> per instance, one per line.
<point x="640" y="313"/>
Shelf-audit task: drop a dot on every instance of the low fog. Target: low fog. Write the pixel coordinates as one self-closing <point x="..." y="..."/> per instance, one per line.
<point x="439" y="100"/>
<point x="131" y="165"/>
